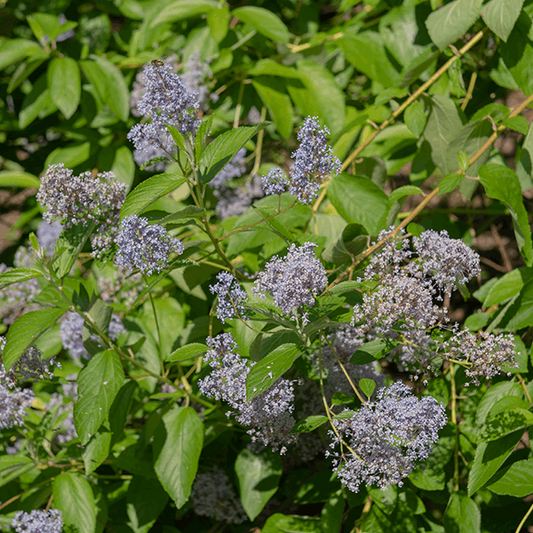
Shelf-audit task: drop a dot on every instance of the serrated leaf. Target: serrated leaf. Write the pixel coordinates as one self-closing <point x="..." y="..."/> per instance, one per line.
<point x="501" y="183"/>
<point x="415" y="118"/>
<point x="74" y="497"/>
<point x="191" y="211"/>
<point x="273" y="93"/>
<point x="177" y="445"/>
<point x="501" y="15"/>
<point x="145" y="500"/>
<point x="450" y="182"/>
<point x="98" y="383"/>
<point x="223" y="149"/>
<point x="452" y="21"/>
<point x="68" y="247"/>
<point x="17" y="275"/>
<point x="177" y="136"/>
<point x="258" y="476"/>
<point x="96" y="450"/>
<point x="186" y="352"/>
<point x="64" y="82"/>
<point x="368" y="386"/>
<point x="463" y="160"/>
<point x="264" y="21"/>
<point x="517" y="124"/>
<point x="263" y="375"/>
<point x="462" y="515"/>
<point x="147" y="192"/>
<point x="504" y="423"/>
<point x="372" y="351"/>
<point x="309" y="424"/>
<point x="203" y="132"/>
<point x="489" y="457"/>
<point x="13" y="466"/>
<point x="25" y="331"/>
<point x="515" y="480"/>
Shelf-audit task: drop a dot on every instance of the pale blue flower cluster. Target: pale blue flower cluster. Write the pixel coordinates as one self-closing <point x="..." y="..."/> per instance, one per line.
<point x="231" y="296"/>
<point x="293" y="281"/>
<point x="387" y="438"/>
<point x="268" y="414"/>
<point x="38" y="521"/>
<point x="313" y="161"/>
<point x="143" y="246"/>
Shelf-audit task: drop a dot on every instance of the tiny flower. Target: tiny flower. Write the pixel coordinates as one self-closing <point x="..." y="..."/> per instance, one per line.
<point x="275" y="182"/>
<point x="14" y="403"/>
<point x="230" y="296"/>
<point x="144" y="247"/>
<point x="38" y="521"/>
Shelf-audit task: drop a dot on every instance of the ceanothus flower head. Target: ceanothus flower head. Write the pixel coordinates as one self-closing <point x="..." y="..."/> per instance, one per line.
<point x="293" y="281"/>
<point x="212" y="495"/>
<point x="275" y="182"/>
<point x="313" y="161"/>
<point x="83" y="199"/>
<point x="387" y="438"/>
<point x="231" y="296"/>
<point x="268" y="414"/>
<point x="144" y="246"/>
<point x="38" y="521"/>
<point x="447" y="262"/>
<point x="14" y="403"/>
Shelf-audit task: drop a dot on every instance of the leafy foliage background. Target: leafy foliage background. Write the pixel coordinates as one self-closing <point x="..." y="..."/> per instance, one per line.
<point x="428" y="107"/>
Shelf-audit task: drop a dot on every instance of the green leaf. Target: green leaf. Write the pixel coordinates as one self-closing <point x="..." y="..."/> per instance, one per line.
<point x="222" y="150"/>
<point x="177" y="446"/>
<point x="397" y="195"/>
<point x="16" y="49"/>
<point x="36" y="103"/>
<point x="145" y="500"/>
<point x="191" y="211"/>
<point x="258" y="476"/>
<point x="517" y="54"/>
<point x="501" y="15"/>
<point x="462" y="515"/>
<point x="517" y="124"/>
<point x="98" y="384"/>
<point x="358" y="200"/>
<point x="96" y="450"/>
<point x="269" y="67"/>
<point x="109" y="84"/>
<point x="264" y="21"/>
<point x="372" y="351"/>
<point x="68" y="247"/>
<point x="12" y="178"/>
<point x="366" y="52"/>
<point x="515" y="480"/>
<point x="501" y="183"/>
<point x="74" y="497"/>
<point x="177" y="136"/>
<point x="523" y="316"/>
<point x="489" y="457"/>
<point x="120" y="408"/>
<point x="16" y="275"/>
<point x="463" y="160"/>
<point x="442" y="126"/>
<point x="327" y="98"/>
<point x="13" y="466"/>
<point x="274" y="95"/>
<point x="507" y="286"/>
<point x="218" y="22"/>
<point x="524" y="161"/>
<point x="263" y="375"/>
<point x="449" y="182"/>
<point x="415" y="118"/>
<point x="25" y="331"/>
<point x="495" y="393"/>
<point x="504" y="423"/>
<point x="64" y="83"/>
<point x="452" y="21"/>
<point x="309" y="424"/>
<point x="183" y="9"/>
<point x="187" y="352"/>
<point x="147" y="192"/>
<point x="368" y="386"/>
<point x="71" y="155"/>
<point x="280" y="523"/>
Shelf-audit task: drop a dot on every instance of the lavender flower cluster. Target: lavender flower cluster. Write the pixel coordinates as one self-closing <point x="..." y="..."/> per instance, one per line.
<point x="38" y="521"/>
<point x="166" y="100"/>
<point x="144" y="247"/>
<point x="120" y="286"/>
<point x="83" y="199"/>
<point x="71" y="331"/>
<point x="293" y="281"/>
<point x="385" y="439"/>
<point x="313" y="161"/>
<point x="231" y="296"/>
<point x="268" y="414"/>
<point x="14" y="402"/>
<point x="213" y="496"/>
